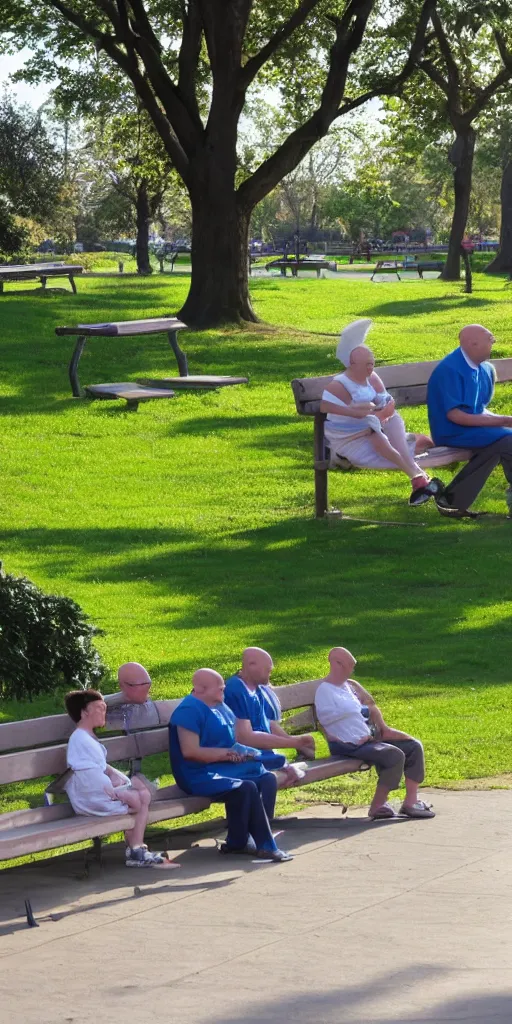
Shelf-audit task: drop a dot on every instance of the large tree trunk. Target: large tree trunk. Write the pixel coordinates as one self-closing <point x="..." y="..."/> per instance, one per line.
<point x="461" y="156"/>
<point x="503" y="258"/>
<point x="219" y="289"/>
<point x="143" y="224"/>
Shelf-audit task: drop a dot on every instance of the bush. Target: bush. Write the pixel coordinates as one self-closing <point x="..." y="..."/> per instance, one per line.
<point x="46" y="642"/>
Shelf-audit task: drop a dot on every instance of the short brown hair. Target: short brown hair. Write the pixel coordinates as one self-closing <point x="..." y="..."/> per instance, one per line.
<point x="77" y="700"/>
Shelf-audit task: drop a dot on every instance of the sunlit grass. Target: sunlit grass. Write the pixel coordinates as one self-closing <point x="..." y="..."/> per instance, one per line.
<point x="186" y="530"/>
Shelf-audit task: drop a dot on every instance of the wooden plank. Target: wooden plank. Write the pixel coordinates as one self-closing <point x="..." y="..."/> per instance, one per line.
<point x="36" y="764"/>
<point x="302" y="720"/>
<point x="325" y="768"/>
<point x="125" y="328"/>
<point x="35" y="816"/>
<point x="128" y="390"/>
<point x="192" y="382"/>
<point x="20" y="841"/>
<point x="35" y="732"/>
<point x="297" y="695"/>
<point x="400" y="380"/>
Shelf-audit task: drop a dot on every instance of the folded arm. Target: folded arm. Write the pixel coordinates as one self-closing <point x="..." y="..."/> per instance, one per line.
<point x="482" y="419"/>
<point x="269" y="740"/>
<point x="193" y="751"/>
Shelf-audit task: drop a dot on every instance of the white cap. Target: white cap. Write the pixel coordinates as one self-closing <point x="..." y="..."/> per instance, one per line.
<point x="352" y="335"/>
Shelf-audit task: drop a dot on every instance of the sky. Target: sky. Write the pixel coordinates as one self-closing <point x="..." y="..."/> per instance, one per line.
<point x="34" y="95"/>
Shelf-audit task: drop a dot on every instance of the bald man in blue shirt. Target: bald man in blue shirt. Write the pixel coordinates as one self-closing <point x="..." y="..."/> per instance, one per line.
<point x="458" y="393"/>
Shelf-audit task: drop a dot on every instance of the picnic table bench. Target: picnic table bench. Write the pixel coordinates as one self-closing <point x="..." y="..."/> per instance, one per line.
<point x="41" y="271"/>
<point x="35" y="749"/>
<point x="305" y="264"/>
<point x="144" y="390"/>
<point x="402" y="265"/>
<point x="407" y="383"/>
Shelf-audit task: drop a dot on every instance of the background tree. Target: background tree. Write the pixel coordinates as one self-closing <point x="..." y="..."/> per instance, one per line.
<point x="181" y="55"/>
<point x="30" y="174"/>
<point x="468" y="60"/>
<point x="496" y="155"/>
<point x="126" y="157"/>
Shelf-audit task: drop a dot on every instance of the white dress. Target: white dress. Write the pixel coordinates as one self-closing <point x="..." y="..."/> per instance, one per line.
<point x="346" y="436"/>
<point x="87" y="758"/>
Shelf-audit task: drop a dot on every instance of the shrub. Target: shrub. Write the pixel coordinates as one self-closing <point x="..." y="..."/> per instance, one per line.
<point x="46" y="642"/>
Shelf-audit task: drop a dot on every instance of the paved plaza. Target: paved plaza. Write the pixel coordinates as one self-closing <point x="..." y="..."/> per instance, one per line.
<point x="373" y="923"/>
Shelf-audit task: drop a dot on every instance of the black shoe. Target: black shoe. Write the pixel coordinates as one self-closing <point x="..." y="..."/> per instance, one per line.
<point x="249" y="850"/>
<point x="433" y="489"/>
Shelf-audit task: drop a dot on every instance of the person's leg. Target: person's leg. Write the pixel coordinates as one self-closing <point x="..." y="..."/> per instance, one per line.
<point x="465" y="487"/>
<point x="237" y="803"/>
<point x="381" y="444"/>
<point x="387" y="759"/>
<point x="138" y="802"/>
<point x="394" y="430"/>
<point x="414" y="768"/>
<point x="267" y="785"/>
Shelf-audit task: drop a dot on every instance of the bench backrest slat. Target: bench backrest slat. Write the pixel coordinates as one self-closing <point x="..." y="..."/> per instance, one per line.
<point x="407" y="382"/>
<point x="25" y="763"/>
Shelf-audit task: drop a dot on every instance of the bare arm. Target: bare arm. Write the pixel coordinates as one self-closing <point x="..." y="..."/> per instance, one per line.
<point x="360" y="692"/>
<point x="385" y="731"/>
<point x="193" y="751"/>
<point x="268" y="740"/>
<point x="355" y="409"/>
<point x="483" y="419"/>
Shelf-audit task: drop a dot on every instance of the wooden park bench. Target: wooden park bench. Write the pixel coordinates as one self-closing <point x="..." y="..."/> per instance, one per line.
<point x="39" y="271"/>
<point x="143" y="390"/>
<point x="35" y="751"/>
<point x="304" y="264"/>
<point x="407" y="383"/>
<point x="420" y="266"/>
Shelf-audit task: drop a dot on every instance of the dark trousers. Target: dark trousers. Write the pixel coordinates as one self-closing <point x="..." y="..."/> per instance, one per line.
<point x="466" y="486"/>
<point x="248" y="810"/>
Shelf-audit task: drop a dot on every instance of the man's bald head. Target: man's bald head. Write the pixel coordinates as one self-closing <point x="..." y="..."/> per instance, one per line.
<point x="476" y="341"/>
<point x="134" y="682"/>
<point x="342" y="663"/>
<point x="362" y="358"/>
<point x="208" y="686"/>
<point x="256" y="666"/>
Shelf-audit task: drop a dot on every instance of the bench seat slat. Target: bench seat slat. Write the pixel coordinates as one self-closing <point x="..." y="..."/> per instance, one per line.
<point x="120" y="328"/>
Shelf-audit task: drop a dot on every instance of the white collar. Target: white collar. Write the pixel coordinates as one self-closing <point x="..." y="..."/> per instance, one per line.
<point x="474" y="366"/>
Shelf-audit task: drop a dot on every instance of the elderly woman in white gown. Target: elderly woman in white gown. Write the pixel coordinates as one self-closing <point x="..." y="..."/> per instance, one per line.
<point x="362" y="424"/>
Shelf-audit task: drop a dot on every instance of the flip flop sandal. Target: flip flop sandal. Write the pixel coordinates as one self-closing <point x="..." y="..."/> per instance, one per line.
<point x="418" y="810"/>
<point x="274" y="856"/>
<point x="382" y="812"/>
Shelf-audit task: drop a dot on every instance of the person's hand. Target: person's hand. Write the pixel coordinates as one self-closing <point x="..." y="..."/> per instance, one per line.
<point x="110" y="791"/>
<point x="306" y="745"/>
<point x="364" y="409"/>
<point x="235" y="757"/>
<point x="386" y="412"/>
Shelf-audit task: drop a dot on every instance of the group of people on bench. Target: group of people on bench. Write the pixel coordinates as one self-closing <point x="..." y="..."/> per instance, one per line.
<point x="363" y="426"/>
<point x="224" y="740"/>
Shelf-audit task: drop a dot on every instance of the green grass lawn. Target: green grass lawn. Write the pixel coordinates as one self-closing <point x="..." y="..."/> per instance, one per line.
<point x="186" y="530"/>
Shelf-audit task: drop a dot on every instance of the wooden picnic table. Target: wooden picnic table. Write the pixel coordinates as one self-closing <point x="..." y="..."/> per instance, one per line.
<point x="145" y="389"/>
<point x="33" y="271"/>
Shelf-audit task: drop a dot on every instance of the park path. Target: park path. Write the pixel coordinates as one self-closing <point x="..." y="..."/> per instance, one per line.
<point x="371" y="923"/>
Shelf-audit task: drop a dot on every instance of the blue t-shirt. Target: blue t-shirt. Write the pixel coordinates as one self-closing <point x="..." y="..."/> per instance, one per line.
<point x="215" y="728"/>
<point x="254" y="705"/>
<point x="454" y="384"/>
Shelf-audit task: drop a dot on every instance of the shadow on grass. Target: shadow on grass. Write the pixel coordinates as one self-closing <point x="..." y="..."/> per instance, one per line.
<point x="299" y="585"/>
<point x="418" y="307"/>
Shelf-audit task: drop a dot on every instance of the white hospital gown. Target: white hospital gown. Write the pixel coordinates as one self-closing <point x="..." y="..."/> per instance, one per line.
<point x="87" y="758"/>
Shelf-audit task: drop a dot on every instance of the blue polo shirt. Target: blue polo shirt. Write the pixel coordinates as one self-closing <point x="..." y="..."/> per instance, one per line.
<point x="215" y="728"/>
<point x="258" y="708"/>
<point x="454" y="384"/>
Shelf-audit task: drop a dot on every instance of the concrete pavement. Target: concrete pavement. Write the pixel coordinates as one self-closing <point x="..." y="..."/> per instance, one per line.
<point x="371" y="923"/>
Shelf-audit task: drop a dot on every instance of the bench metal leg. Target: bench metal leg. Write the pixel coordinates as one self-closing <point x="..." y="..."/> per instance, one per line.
<point x="1" y="287"/>
<point x="43" y="282"/>
<point x="321" y="484"/>
<point x="72" y="283"/>
<point x="132" y="404"/>
<point x="73" y="366"/>
<point x="93" y="853"/>
<point x="181" y="358"/>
